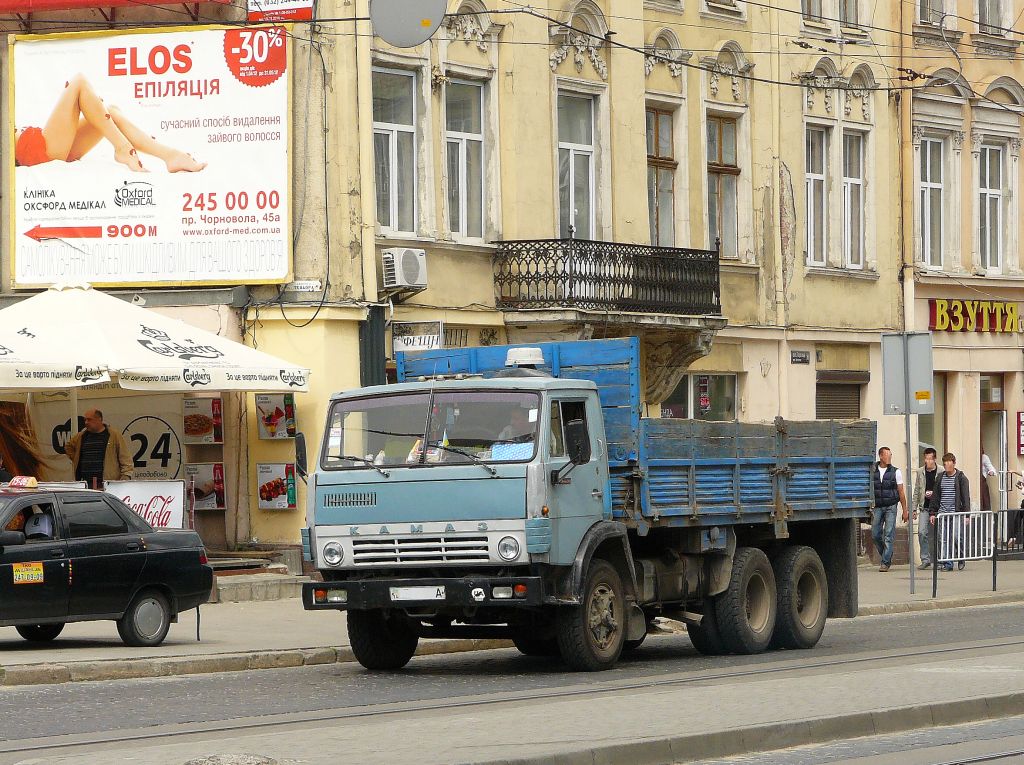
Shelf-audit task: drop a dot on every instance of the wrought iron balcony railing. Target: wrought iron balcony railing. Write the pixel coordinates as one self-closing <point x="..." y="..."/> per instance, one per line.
<point x="606" y="276"/>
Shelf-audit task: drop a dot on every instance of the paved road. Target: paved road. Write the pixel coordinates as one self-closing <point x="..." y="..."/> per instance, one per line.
<point x="111" y="707"/>
<point x="932" y="746"/>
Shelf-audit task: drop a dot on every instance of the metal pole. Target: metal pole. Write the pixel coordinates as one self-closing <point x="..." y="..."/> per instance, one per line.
<point x="996" y="534"/>
<point x="935" y="551"/>
<point x="907" y="482"/>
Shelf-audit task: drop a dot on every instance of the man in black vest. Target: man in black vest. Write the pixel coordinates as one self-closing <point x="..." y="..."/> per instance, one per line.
<point x="889" y="491"/>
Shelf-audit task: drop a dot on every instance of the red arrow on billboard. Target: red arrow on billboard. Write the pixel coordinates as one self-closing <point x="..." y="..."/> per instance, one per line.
<point x="39" y="233"/>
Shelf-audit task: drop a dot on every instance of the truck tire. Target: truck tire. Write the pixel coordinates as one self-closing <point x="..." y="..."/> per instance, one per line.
<point x="803" y="597"/>
<point x="380" y="640"/>
<point x="590" y="635"/>
<point x="706" y="637"/>
<point x="746" y="611"/>
<point x="535" y="646"/>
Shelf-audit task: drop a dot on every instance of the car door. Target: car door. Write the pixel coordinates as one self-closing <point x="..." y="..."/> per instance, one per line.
<point x="105" y="553"/>
<point x="578" y="499"/>
<point x="33" y="575"/>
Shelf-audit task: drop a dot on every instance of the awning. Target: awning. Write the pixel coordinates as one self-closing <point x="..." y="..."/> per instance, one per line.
<point x="77" y="336"/>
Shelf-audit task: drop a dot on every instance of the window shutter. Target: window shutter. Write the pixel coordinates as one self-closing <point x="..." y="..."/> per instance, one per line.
<point x="837" y="401"/>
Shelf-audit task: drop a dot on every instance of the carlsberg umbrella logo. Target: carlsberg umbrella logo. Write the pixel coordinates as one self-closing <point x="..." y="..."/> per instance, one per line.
<point x="158" y="341"/>
<point x="294" y="379"/>
<point x="196" y="377"/>
<point x="87" y="374"/>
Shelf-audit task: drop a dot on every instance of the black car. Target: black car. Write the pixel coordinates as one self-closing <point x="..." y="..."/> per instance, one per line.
<point x="72" y="555"/>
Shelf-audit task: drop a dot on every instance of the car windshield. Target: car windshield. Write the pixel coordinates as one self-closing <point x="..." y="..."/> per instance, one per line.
<point x="460" y="427"/>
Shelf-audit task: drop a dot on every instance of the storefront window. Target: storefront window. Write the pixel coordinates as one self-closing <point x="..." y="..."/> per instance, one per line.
<point x="991" y="389"/>
<point x="677" y="406"/>
<point x="714" y="397"/>
<point x="932" y="427"/>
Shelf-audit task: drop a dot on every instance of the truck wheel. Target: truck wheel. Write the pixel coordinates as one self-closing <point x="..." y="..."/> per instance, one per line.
<point x="146" y="621"/>
<point x="706" y="637"/>
<point x="590" y="635"/>
<point x="535" y="646"/>
<point x="746" y="610"/>
<point x="803" y="597"/>
<point x="40" y="633"/>
<point x="379" y="640"/>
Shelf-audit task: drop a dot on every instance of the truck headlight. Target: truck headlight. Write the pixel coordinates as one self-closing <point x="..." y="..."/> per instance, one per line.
<point x="333" y="553"/>
<point x="508" y="548"/>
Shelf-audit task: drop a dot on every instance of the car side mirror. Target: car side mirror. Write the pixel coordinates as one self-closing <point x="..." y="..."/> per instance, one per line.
<point x="577" y="442"/>
<point x="11" y="539"/>
<point x="301" y="466"/>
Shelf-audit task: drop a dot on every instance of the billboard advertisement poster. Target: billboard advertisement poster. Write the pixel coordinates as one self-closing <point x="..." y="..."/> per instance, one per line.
<point x="276" y="415"/>
<point x="205" y="481"/>
<point x="151" y="426"/>
<point x="160" y="503"/>
<point x="276" y="485"/>
<point x="280" y="10"/>
<point x="151" y="158"/>
<point x="204" y="421"/>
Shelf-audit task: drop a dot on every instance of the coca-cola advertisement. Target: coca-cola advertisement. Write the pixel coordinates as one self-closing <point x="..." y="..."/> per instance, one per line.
<point x="203" y="421"/>
<point x="160" y="503"/>
<point x="276" y="485"/>
<point x="205" y="482"/>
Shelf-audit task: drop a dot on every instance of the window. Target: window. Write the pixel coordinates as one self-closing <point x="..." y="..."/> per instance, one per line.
<point x="931" y="428"/>
<point x="576" y="166"/>
<point x="990" y="207"/>
<point x="817" y="196"/>
<point x="848" y="14"/>
<point x="930" y="11"/>
<point x="723" y="175"/>
<point x="812" y="9"/>
<point x="990" y="17"/>
<point x="394" y="149"/>
<point x="853" y="199"/>
<point x="661" y="174"/>
<point x="464" y="123"/>
<point x="837" y="401"/>
<point x="92" y="518"/>
<point x="931" y="201"/>
<point x="714" y="397"/>
<point x="677" y="405"/>
<point x="564" y="412"/>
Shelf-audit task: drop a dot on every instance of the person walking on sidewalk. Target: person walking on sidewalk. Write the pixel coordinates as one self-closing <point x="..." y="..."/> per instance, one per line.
<point x="924" y="487"/>
<point x="952" y="494"/>
<point x="889" y="491"/>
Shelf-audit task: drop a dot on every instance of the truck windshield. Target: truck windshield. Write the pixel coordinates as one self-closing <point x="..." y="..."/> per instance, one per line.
<point x="461" y="427"/>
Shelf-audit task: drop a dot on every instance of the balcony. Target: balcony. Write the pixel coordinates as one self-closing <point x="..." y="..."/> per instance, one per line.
<point x="578" y="289"/>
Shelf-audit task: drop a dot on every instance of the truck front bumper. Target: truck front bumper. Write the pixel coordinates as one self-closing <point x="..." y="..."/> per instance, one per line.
<point x="463" y="592"/>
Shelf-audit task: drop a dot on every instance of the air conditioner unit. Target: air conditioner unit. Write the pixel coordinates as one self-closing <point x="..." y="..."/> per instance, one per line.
<point x="403" y="268"/>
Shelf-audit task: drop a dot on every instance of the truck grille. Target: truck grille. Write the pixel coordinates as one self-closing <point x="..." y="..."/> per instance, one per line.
<point x="420" y="549"/>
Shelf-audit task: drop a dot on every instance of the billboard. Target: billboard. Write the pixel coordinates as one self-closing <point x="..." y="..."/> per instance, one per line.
<point x="151" y="158"/>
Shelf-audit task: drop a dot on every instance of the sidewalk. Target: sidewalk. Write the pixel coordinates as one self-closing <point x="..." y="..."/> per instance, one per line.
<point x="271" y="634"/>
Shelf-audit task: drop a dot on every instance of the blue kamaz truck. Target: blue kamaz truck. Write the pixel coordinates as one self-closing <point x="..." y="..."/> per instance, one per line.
<point x="519" y="492"/>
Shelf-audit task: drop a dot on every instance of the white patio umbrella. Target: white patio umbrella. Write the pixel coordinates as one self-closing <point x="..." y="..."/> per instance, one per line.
<point x="79" y="331"/>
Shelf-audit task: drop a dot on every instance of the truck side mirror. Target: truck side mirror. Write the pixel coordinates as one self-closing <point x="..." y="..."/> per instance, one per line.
<point x="300" y="455"/>
<point x="11" y="539"/>
<point x="577" y="442"/>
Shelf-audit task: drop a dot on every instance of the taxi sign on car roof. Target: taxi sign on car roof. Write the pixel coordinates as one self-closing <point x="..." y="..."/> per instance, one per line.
<point x="24" y="482"/>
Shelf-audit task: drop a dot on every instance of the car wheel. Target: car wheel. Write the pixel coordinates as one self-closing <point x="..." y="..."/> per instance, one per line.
<point x="590" y="635"/>
<point x="40" y="633"/>
<point x="146" y="621"/>
<point x="381" y="640"/>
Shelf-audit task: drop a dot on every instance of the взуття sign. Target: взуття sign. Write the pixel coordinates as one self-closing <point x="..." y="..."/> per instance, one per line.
<point x="996" y="316"/>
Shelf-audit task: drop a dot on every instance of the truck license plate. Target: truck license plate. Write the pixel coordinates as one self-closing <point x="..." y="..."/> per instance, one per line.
<point x="417" y="593"/>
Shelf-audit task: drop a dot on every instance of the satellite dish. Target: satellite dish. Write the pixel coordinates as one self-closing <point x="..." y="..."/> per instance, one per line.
<point x="406" y="23"/>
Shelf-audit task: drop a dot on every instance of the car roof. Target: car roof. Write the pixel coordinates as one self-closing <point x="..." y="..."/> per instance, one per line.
<point x="14" y="491"/>
<point x="509" y="384"/>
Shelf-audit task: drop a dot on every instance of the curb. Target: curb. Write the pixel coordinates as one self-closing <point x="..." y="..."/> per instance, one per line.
<point x="964" y="601"/>
<point x="168" y="666"/>
<point x="781" y="735"/>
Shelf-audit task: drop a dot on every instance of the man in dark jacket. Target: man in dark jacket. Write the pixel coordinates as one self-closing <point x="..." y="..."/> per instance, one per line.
<point x="952" y="494"/>
<point x="889" y="492"/>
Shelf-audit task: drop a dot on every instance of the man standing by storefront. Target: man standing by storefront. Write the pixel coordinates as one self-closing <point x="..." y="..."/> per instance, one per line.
<point x="889" y="491"/>
<point x="98" y="453"/>
<point x="924" y="487"/>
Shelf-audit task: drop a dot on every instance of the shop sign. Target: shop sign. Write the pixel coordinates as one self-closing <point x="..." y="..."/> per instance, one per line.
<point x="799" y="357"/>
<point x="204" y="421"/>
<point x="1020" y="433"/>
<point x="280" y="10"/>
<point x="160" y="503"/>
<point x="204" y="482"/>
<point x="276" y="415"/>
<point x="416" y="335"/>
<point x="200" y="192"/>
<point x="994" y="316"/>
<point x="276" y="485"/>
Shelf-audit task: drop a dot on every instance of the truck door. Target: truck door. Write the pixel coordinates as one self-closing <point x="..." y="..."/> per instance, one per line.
<point x="578" y="499"/>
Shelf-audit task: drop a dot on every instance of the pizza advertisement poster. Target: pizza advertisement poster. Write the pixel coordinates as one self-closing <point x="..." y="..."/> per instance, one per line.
<point x="203" y="421"/>
<point x="275" y="415"/>
<point x="204" y="485"/>
<point x="151" y="157"/>
<point x="276" y="485"/>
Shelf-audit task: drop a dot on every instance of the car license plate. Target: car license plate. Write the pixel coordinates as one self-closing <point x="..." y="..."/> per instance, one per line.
<point x="417" y="593"/>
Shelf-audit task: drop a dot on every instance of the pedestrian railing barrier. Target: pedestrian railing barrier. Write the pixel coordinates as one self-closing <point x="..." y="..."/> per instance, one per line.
<point x="959" y="537"/>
